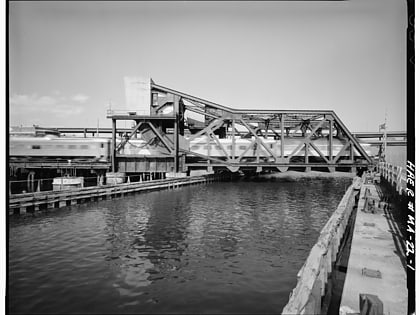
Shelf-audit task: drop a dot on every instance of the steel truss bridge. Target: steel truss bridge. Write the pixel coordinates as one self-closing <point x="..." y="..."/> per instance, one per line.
<point x="374" y="138"/>
<point x="243" y="139"/>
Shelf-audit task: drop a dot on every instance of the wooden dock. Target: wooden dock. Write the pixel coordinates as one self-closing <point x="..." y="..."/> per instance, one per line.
<point x="30" y="202"/>
<point x="374" y="266"/>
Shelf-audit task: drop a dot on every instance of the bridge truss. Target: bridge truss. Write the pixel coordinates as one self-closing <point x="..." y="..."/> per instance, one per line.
<point x="193" y="133"/>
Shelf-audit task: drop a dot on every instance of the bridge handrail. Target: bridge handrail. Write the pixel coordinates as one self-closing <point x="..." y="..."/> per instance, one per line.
<point x="80" y="190"/>
<point x="313" y="276"/>
<point x="110" y="112"/>
<point x="394" y="174"/>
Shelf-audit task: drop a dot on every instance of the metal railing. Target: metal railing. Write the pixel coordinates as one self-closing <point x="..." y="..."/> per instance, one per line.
<point x="395" y="175"/>
<point x="138" y="112"/>
<point x="30" y="202"/>
<point x="17" y="187"/>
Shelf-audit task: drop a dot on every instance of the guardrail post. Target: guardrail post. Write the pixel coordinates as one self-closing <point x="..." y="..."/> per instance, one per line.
<point x="113" y="145"/>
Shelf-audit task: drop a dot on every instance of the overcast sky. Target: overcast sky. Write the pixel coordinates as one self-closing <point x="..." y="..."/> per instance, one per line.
<point x="68" y="59"/>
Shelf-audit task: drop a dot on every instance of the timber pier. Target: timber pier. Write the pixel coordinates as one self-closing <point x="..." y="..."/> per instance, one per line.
<point x="376" y="276"/>
<point x="30" y="202"/>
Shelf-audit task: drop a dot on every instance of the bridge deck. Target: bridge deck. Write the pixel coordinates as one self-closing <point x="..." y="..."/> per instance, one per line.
<point x="373" y="248"/>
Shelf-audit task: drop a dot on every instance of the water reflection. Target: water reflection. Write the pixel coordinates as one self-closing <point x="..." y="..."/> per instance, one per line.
<point x="127" y="264"/>
<point x="218" y="248"/>
<point x="165" y="234"/>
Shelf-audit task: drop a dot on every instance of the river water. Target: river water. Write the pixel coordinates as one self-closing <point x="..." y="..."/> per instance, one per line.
<point x="216" y="248"/>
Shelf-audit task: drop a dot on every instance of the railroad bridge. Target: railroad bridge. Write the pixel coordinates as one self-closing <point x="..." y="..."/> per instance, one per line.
<point x="176" y="134"/>
<point x="190" y="133"/>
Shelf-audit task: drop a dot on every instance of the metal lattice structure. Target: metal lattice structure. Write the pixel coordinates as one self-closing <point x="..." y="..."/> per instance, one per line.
<point x="198" y="134"/>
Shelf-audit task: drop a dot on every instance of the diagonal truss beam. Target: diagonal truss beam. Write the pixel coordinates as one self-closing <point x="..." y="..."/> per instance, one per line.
<point x="253" y="142"/>
<point x="305" y="140"/>
<point x="215" y="124"/>
<point x="352" y="138"/>
<point x="161" y="138"/>
<point x="260" y="142"/>
<point x="133" y="132"/>
<point x="213" y="137"/>
<point x="318" y="151"/>
<point x="343" y="149"/>
<point x="200" y="111"/>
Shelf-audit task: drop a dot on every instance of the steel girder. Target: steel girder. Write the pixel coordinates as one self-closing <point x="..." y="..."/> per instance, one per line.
<point x="305" y="127"/>
<point x="245" y="138"/>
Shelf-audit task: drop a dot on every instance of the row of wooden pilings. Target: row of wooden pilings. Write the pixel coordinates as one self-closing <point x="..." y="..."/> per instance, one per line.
<point x="395" y="175"/>
<point x="312" y="279"/>
<point x="30" y="202"/>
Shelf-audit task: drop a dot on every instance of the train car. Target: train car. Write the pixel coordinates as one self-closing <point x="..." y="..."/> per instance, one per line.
<point x="99" y="149"/>
<point x="54" y="148"/>
<point x="243" y="147"/>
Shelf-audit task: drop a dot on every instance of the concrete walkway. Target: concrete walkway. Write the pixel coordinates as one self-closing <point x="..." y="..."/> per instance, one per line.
<point x="373" y="248"/>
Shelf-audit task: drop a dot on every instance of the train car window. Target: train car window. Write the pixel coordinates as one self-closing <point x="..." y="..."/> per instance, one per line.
<point x="59" y="146"/>
<point x="102" y="145"/>
<point x="195" y="147"/>
<point x="72" y="146"/>
<point x="242" y="147"/>
<point x="271" y="145"/>
<point x="84" y="147"/>
<point x="36" y="147"/>
<point x="229" y="147"/>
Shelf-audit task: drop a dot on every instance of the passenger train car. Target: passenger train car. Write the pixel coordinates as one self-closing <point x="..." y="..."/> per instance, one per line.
<point x="99" y="149"/>
<point x="94" y="149"/>
<point x="77" y="149"/>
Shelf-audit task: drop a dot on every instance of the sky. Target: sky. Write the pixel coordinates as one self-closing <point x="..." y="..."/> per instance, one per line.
<point x="68" y="60"/>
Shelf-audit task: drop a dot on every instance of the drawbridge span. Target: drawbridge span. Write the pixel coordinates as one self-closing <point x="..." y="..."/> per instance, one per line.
<point x="179" y="133"/>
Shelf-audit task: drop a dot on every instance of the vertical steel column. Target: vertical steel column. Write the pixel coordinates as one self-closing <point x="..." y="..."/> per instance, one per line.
<point x="208" y="144"/>
<point x="330" y="141"/>
<point x="113" y="144"/>
<point x="282" y="135"/>
<point x="233" y="140"/>
<point x="176" y="134"/>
